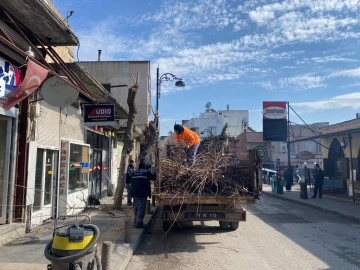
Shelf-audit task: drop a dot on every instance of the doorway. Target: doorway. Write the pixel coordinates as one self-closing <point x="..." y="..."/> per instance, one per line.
<point x="5" y="145"/>
<point x="45" y="199"/>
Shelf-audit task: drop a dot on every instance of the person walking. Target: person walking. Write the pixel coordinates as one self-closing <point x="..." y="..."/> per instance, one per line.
<point x="140" y="189"/>
<point x="288" y="176"/>
<point x="129" y="172"/>
<point x="191" y="138"/>
<point x="319" y="181"/>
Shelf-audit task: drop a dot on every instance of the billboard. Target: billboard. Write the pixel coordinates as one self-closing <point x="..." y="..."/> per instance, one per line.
<point x="99" y="114"/>
<point x="274" y="121"/>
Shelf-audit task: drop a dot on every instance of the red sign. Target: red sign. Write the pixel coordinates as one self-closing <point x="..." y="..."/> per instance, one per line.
<point x="274" y="110"/>
<point x="34" y="77"/>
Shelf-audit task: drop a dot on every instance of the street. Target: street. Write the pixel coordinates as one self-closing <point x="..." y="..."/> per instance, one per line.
<point x="278" y="234"/>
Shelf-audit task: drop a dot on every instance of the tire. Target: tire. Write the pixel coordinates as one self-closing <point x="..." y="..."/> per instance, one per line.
<point x="224" y="225"/>
<point x="166" y="225"/>
<point x="234" y="225"/>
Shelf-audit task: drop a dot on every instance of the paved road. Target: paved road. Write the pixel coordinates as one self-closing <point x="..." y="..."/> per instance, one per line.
<point x="277" y="235"/>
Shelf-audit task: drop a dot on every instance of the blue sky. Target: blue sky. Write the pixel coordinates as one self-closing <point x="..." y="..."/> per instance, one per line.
<point x="236" y="53"/>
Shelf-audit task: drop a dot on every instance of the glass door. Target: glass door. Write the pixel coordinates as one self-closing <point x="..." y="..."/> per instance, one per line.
<point x="45" y="202"/>
<point x="5" y="135"/>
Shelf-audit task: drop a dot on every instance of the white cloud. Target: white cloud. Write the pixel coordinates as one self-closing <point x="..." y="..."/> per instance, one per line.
<point x="193" y="15"/>
<point x="302" y="82"/>
<point x="261" y="16"/>
<point x="353" y="73"/>
<point x="172" y="39"/>
<point x="326" y="59"/>
<point x="351" y="100"/>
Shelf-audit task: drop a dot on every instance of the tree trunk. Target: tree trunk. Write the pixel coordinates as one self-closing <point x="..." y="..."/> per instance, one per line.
<point x="150" y="135"/>
<point x="128" y="146"/>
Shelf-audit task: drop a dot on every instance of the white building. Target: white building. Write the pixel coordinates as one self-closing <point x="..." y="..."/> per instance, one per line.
<point x="211" y="123"/>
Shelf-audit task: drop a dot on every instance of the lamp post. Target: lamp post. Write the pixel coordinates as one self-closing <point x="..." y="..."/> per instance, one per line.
<point x="159" y="79"/>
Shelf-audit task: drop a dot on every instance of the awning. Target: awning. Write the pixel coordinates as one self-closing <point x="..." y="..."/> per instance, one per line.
<point x="50" y="68"/>
<point x="99" y="93"/>
<point x="42" y="18"/>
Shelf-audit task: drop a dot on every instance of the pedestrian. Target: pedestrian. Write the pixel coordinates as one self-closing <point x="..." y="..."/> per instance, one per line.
<point x="191" y="139"/>
<point x="288" y="176"/>
<point x="129" y="172"/>
<point x="319" y="181"/>
<point x="140" y="190"/>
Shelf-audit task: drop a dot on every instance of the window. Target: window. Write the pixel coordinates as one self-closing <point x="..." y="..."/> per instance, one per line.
<point x="78" y="167"/>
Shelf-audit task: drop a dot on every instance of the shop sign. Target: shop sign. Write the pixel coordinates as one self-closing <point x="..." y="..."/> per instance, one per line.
<point x="262" y="151"/>
<point x="35" y="75"/>
<point x="274" y="110"/>
<point x="99" y="114"/>
<point x="305" y="155"/>
<point x="10" y="77"/>
<point x="64" y="157"/>
<point x="274" y="121"/>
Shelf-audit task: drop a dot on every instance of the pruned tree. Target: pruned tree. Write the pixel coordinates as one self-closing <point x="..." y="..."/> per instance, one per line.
<point x="148" y="139"/>
<point x="128" y="143"/>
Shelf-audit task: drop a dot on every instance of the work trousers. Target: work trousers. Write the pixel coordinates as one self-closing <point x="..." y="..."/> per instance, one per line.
<point x="128" y="188"/>
<point x="318" y="187"/>
<point x="139" y="205"/>
<point x="191" y="153"/>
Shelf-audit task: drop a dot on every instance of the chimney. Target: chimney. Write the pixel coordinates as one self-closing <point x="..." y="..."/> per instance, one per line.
<point x="227" y="107"/>
<point x="99" y="54"/>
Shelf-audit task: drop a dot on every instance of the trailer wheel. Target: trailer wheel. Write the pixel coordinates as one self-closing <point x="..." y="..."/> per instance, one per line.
<point x="224" y="225"/>
<point x="166" y="225"/>
<point x="234" y="225"/>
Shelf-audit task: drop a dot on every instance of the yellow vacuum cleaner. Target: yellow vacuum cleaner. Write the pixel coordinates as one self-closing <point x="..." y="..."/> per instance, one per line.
<point x="73" y="247"/>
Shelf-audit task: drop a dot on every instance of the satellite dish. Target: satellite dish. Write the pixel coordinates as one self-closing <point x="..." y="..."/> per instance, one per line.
<point x="58" y="93"/>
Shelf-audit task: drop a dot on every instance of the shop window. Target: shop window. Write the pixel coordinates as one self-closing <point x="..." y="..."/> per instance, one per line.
<point x="78" y="167"/>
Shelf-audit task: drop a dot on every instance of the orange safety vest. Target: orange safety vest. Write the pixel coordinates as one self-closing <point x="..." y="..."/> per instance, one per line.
<point x="188" y="136"/>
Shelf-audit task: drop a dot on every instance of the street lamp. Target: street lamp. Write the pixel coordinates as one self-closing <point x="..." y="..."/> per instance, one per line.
<point x="165" y="77"/>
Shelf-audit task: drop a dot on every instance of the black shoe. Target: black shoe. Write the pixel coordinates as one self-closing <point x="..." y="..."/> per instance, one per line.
<point x="313" y="197"/>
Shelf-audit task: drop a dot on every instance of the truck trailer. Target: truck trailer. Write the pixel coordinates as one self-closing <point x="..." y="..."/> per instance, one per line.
<point x="227" y="208"/>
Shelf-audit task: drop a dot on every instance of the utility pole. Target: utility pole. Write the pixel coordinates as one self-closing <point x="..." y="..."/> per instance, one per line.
<point x="288" y="134"/>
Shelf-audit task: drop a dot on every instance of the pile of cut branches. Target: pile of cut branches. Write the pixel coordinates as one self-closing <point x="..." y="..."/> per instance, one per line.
<point x="213" y="173"/>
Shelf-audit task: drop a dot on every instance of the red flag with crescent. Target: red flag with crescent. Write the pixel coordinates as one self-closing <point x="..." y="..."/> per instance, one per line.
<point x="34" y="77"/>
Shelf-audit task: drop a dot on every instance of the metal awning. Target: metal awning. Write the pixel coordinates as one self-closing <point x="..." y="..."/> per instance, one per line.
<point x="100" y="94"/>
<point x="328" y="135"/>
<point x="41" y="18"/>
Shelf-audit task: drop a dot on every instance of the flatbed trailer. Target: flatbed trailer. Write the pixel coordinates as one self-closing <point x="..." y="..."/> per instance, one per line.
<point x="228" y="210"/>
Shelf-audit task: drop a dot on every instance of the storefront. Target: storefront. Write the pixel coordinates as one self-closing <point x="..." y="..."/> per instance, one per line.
<point x="74" y="177"/>
<point x="8" y="135"/>
<point x="9" y="80"/>
<point x="100" y="169"/>
<point x="43" y="182"/>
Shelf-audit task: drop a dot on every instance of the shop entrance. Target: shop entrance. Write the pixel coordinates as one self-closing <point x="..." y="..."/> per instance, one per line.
<point x="45" y="189"/>
<point x="5" y="142"/>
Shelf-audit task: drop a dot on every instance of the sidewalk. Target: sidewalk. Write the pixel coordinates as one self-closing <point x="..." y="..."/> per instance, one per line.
<point x="26" y="251"/>
<point x="341" y="205"/>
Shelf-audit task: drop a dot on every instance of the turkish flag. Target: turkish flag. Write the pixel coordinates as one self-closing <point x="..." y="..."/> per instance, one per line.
<point x="34" y="77"/>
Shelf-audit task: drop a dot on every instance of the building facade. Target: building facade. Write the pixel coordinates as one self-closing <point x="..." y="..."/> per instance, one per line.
<point x="211" y="123"/>
<point x="45" y="159"/>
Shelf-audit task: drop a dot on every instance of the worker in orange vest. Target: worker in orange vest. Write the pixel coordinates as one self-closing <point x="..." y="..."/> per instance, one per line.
<point x="191" y="138"/>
